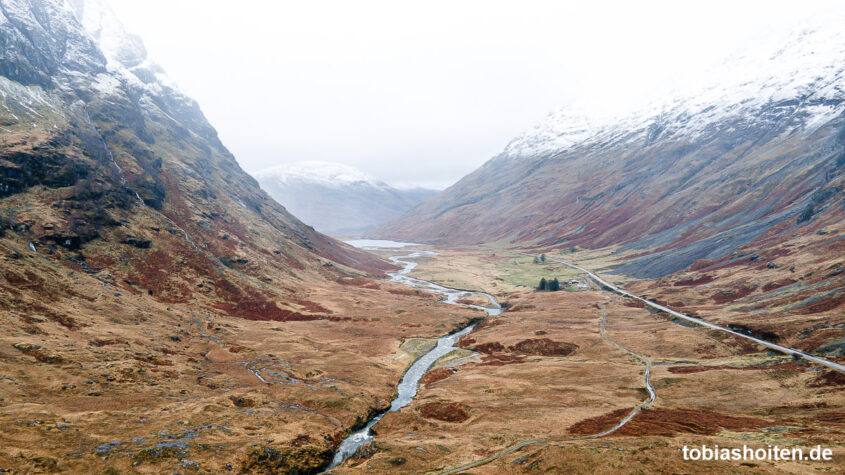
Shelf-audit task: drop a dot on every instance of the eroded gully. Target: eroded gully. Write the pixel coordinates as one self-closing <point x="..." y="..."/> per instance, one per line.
<point x="407" y="388"/>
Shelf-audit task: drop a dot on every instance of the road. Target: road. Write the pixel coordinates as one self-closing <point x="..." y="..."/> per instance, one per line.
<point x="782" y="349"/>
<point x="652" y="395"/>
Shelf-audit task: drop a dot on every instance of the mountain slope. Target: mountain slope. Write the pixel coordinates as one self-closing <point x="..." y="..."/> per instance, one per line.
<point x="113" y="152"/>
<point x="158" y="311"/>
<point x="335" y="198"/>
<point x="698" y="176"/>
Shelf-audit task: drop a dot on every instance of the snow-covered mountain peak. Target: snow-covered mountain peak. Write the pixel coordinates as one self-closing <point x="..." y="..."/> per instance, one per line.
<point x="803" y="68"/>
<point x="108" y="32"/>
<point x="40" y="38"/>
<point x="125" y="52"/>
<point x="324" y="173"/>
<point x="336" y="198"/>
<point x="561" y="129"/>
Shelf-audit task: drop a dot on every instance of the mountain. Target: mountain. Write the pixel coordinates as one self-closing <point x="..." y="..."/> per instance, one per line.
<point x="755" y="151"/>
<point x="155" y="305"/>
<point x="337" y="199"/>
<point x="100" y="150"/>
<point x="160" y="313"/>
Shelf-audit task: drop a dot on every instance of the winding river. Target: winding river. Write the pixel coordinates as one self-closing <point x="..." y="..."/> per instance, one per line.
<point x="407" y="388"/>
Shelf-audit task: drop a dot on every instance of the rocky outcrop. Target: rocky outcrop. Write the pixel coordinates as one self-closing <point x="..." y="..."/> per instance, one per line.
<point x="300" y="460"/>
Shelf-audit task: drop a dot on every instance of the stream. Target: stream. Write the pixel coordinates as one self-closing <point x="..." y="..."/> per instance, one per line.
<point x="407" y="388"/>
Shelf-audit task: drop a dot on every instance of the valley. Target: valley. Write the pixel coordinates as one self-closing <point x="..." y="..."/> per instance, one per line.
<point x="543" y="386"/>
<point x="170" y="385"/>
<point x="445" y="345"/>
<point x="601" y="294"/>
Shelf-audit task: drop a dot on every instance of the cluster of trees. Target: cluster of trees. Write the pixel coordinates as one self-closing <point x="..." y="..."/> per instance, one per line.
<point x="540" y="259"/>
<point x="549" y="285"/>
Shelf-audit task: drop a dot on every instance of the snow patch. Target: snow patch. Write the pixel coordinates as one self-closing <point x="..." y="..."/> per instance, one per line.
<point x="323" y="173"/>
<point x="106" y="84"/>
<point x="101" y="23"/>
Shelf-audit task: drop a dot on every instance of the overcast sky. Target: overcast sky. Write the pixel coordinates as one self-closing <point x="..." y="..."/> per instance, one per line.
<point x="422" y="93"/>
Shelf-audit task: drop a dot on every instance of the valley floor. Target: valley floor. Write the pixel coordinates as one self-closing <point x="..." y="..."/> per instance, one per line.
<point x="192" y="390"/>
<point x="541" y="370"/>
<point x="112" y="381"/>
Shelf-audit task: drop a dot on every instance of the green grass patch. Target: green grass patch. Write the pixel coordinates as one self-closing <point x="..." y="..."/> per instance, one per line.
<point x="521" y="271"/>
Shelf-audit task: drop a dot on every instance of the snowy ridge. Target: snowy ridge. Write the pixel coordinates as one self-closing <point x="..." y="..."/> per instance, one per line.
<point x="108" y="32"/>
<point x="55" y="34"/>
<point x="82" y="44"/>
<point x="323" y="173"/>
<point x="804" y="68"/>
<point x="336" y="198"/>
<point x="124" y="51"/>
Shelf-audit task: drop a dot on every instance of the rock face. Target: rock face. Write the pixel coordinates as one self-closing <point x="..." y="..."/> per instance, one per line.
<point x="697" y="176"/>
<point x="335" y="198"/>
<point x="100" y="153"/>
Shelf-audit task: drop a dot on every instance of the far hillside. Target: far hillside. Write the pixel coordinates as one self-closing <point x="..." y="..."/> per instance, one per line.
<point x="337" y="199"/>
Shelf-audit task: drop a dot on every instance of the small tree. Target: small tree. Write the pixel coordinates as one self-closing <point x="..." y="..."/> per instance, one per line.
<point x="572" y="250"/>
<point x="543" y="284"/>
<point x="536" y="260"/>
<point x="542" y="257"/>
<point x="554" y="285"/>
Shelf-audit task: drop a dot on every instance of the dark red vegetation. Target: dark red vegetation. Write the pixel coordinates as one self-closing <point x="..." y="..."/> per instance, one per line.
<point x="445" y="411"/>
<point x="667" y="422"/>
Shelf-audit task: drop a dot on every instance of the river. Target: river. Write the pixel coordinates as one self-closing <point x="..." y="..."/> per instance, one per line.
<point x="407" y="388"/>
